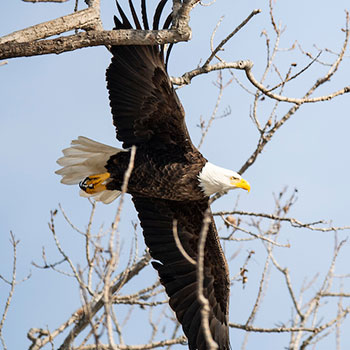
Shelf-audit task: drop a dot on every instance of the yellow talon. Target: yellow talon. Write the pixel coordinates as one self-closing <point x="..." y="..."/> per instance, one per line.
<point x="94" y="183"/>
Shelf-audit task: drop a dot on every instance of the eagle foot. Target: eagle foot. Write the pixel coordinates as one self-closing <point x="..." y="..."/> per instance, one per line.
<point x="94" y="183"/>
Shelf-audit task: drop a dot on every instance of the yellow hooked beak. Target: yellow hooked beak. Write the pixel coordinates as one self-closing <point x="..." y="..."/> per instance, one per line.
<point x="241" y="184"/>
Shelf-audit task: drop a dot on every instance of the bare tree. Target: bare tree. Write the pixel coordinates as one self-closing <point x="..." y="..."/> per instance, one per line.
<point x="318" y="305"/>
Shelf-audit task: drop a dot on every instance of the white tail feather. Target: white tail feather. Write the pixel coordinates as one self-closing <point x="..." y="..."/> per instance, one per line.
<point x="84" y="158"/>
<point x="105" y="196"/>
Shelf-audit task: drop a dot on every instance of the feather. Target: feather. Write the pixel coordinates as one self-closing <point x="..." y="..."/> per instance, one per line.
<point x="144" y="14"/>
<point x="84" y="158"/>
<point x="134" y="16"/>
<point x="158" y="13"/>
<point x="105" y="197"/>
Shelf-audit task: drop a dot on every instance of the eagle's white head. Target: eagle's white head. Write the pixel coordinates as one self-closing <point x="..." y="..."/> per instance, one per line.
<point x="213" y="179"/>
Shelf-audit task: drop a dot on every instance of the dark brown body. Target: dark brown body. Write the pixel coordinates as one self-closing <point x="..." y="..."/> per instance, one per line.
<point x="168" y="175"/>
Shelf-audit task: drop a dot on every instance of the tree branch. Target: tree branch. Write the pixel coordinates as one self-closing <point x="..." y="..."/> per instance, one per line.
<point x="89" y="39"/>
<point x="12" y="283"/>
<point x="247" y="66"/>
<point x="249" y="328"/>
<point x="85" y="19"/>
<point x="294" y="222"/>
<point x="22" y="43"/>
<point x="44" y="1"/>
<point x="280" y="98"/>
<point x="223" y="42"/>
<point x="158" y="344"/>
<point x="203" y="301"/>
<point x="80" y="318"/>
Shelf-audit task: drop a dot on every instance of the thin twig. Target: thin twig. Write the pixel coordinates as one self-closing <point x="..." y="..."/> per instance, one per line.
<point x="113" y="260"/>
<point x="84" y="19"/>
<point x="249" y="328"/>
<point x="96" y="306"/>
<point x="179" y="244"/>
<point x="294" y="222"/>
<point x="223" y="42"/>
<point x="159" y="344"/>
<point x="205" y="309"/>
<point x="12" y="284"/>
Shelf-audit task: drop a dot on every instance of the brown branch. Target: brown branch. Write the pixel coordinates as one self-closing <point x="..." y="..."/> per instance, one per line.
<point x="84" y="321"/>
<point x="307" y="341"/>
<point x="113" y="253"/>
<point x="298" y="101"/>
<point x="141" y="294"/>
<point x="44" y="1"/>
<point x="20" y="44"/>
<point x="62" y="252"/>
<point x="87" y="235"/>
<point x="266" y="137"/>
<point x="141" y="303"/>
<point x="206" y="68"/>
<point x="186" y="78"/>
<point x="85" y="19"/>
<point x="292" y="221"/>
<point x="223" y="42"/>
<point x="12" y="283"/>
<point x="257" y="236"/>
<point x="205" y="309"/>
<point x="80" y="318"/>
<point x="288" y="282"/>
<point x="221" y="88"/>
<point x="261" y="291"/>
<point x="163" y="343"/>
<point x="314" y="304"/>
<point x="89" y="39"/>
<point x="294" y="76"/>
<point x="181" y="17"/>
<point x="74" y="227"/>
<point x="179" y="244"/>
<point x="208" y="4"/>
<point x="339" y="295"/>
<point x="272" y="330"/>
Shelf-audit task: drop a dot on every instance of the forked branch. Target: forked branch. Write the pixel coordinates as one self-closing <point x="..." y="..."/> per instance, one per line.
<point x="25" y="43"/>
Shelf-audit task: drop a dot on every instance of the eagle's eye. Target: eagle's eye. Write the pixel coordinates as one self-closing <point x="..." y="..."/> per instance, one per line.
<point x="232" y="178"/>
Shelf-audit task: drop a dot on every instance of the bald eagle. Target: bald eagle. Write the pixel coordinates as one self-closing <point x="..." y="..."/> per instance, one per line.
<point x="170" y="180"/>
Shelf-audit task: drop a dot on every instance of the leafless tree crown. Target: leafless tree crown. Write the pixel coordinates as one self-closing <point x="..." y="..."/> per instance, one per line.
<point x="107" y="310"/>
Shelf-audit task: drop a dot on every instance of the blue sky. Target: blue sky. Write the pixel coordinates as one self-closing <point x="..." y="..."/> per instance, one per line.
<point x="48" y="101"/>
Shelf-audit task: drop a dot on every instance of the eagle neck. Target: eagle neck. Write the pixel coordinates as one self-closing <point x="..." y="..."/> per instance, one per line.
<point x="210" y="179"/>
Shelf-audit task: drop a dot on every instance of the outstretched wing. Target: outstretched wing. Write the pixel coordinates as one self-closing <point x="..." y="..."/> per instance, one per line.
<point x="178" y="275"/>
<point x="145" y="107"/>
